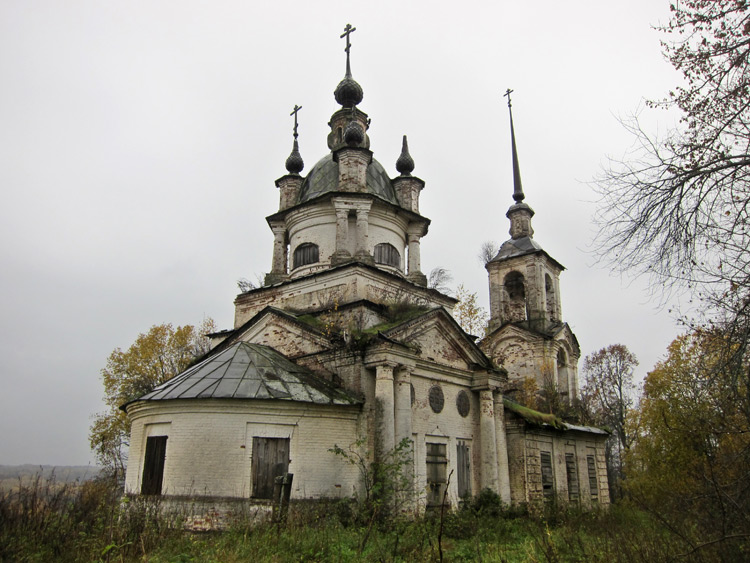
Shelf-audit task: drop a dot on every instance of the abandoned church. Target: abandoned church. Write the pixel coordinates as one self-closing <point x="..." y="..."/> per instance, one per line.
<point x="345" y="345"/>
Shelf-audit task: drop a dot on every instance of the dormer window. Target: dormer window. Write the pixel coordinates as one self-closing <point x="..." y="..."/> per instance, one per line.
<point x="306" y="253"/>
<point x="388" y="255"/>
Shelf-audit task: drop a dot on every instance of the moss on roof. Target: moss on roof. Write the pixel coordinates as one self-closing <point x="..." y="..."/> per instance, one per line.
<point x="534" y="417"/>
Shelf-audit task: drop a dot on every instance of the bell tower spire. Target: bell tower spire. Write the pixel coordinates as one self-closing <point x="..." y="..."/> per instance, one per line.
<point x="518" y="195"/>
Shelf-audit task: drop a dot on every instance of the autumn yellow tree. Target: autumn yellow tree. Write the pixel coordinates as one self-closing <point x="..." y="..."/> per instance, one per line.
<point x="468" y="313"/>
<point x="154" y="357"/>
<point x="690" y="463"/>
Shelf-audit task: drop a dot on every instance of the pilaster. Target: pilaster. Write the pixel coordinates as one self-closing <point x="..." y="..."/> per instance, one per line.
<point x="279" y="259"/>
<point x="502" y="449"/>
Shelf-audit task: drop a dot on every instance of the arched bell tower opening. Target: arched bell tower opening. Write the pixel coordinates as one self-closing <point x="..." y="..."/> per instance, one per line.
<point x="562" y="372"/>
<point x="550" y="297"/>
<point x="516" y="306"/>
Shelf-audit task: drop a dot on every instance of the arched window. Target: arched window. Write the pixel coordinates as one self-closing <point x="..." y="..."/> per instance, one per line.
<point x="306" y="253"/>
<point x="387" y="254"/>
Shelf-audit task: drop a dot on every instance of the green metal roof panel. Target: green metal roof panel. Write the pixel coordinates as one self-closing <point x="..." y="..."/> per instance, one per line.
<point x="324" y="178"/>
<point x="250" y="371"/>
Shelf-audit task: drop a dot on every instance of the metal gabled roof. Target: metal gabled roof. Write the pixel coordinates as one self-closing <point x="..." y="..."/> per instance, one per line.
<point x="250" y="371"/>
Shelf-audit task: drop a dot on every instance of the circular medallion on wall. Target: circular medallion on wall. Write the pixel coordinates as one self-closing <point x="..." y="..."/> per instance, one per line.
<point x="463" y="404"/>
<point x="437" y="400"/>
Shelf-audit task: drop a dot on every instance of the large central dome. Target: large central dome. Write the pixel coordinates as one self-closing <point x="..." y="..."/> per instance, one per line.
<point x="324" y="178"/>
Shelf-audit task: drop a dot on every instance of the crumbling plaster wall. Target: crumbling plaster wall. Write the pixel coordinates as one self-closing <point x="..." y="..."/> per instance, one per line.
<point x="203" y="431"/>
<point x="525" y="443"/>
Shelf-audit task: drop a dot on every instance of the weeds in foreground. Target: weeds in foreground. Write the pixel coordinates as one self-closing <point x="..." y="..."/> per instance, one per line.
<point x="46" y="521"/>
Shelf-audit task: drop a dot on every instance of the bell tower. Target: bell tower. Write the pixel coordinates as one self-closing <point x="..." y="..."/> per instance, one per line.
<point x="526" y="333"/>
<point x="524" y="279"/>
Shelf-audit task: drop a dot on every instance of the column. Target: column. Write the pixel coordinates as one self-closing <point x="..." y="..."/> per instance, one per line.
<point x="363" y="226"/>
<point x="341" y="254"/>
<point x="502" y="449"/>
<point x="414" y="257"/>
<point x="488" y="440"/>
<point x="278" y="265"/>
<point x="402" y="404"/>
<point x="415" y="275"/>
<point x="384" y="411"/>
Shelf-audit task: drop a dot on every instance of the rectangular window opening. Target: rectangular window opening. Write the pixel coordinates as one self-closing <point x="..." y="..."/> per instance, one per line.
<point x="593" y="485"/>
<point x="548" y="481"/>
<point x="463" y="463"/>
<point x="572" y="471"/>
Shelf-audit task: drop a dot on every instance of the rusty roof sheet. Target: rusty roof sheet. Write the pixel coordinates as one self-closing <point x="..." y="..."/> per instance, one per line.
<point x="250" y="371"/>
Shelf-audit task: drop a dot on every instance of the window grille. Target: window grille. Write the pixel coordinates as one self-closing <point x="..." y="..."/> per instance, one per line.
<point x="572" y="470"/>
<point x="593" y="485"/>
<point x="548" y="481"/>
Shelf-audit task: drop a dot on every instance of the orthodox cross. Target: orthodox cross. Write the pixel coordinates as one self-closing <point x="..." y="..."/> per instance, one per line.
<point x="507" y="95"/>
<point x="348" y="30"/>
<point x="294" y="113"/>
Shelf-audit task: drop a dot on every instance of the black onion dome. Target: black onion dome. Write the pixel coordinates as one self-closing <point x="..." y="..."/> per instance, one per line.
<point x="405" y="163"/>
<point x="354" y="134"/>
<point x="294" y="163"/>
<point x="324" y="178"/>
<point x="349" y="93"/>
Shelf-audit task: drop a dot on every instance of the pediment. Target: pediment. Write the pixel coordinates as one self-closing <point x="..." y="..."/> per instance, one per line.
<point x="440" y="339"/>
<point x="281" y="331"/>
<point x="565" y="334"/>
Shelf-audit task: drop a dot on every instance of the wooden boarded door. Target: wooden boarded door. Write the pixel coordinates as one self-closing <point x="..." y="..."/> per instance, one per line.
<point x="437" y="465"/>
<point x="463" y="463"/>
<point x="270" y="460"/>
<point x="153" y="465"/>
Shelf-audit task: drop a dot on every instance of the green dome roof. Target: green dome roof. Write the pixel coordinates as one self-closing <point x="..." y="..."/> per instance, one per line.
<point x="324" y="178"/>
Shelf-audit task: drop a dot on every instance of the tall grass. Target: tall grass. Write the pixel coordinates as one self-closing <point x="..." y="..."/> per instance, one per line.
<point x="42" y="520"/>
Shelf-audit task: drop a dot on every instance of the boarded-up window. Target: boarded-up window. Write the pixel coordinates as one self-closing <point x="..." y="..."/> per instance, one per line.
<point x="463" y="462"/>
<point x="437" y="465"/>
<point x="548" y="480"/>
<point x="270" y="460"/>
<point x="387" y="254"/>
<point x="153" y="465"/>
<point x="572" y="470"/>
<point x="304" y="254"/>
<point x="593" y="485"/>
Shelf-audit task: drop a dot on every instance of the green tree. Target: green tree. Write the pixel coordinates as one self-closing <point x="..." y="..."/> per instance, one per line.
<point x="608" y="396"/>
<point x="468" y="313"/>
<point x="154" y="357"/>
<point x="691" y="462"/>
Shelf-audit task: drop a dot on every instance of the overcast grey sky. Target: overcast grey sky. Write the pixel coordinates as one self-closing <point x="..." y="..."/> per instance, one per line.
<point x="140" y="141"/>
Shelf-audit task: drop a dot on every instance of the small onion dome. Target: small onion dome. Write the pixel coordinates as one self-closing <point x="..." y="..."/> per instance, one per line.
<point x="405" y="163"/>
<point x="354" y="134"/>
<point x="348" y="93"/>
<point x="295" y="164"/>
